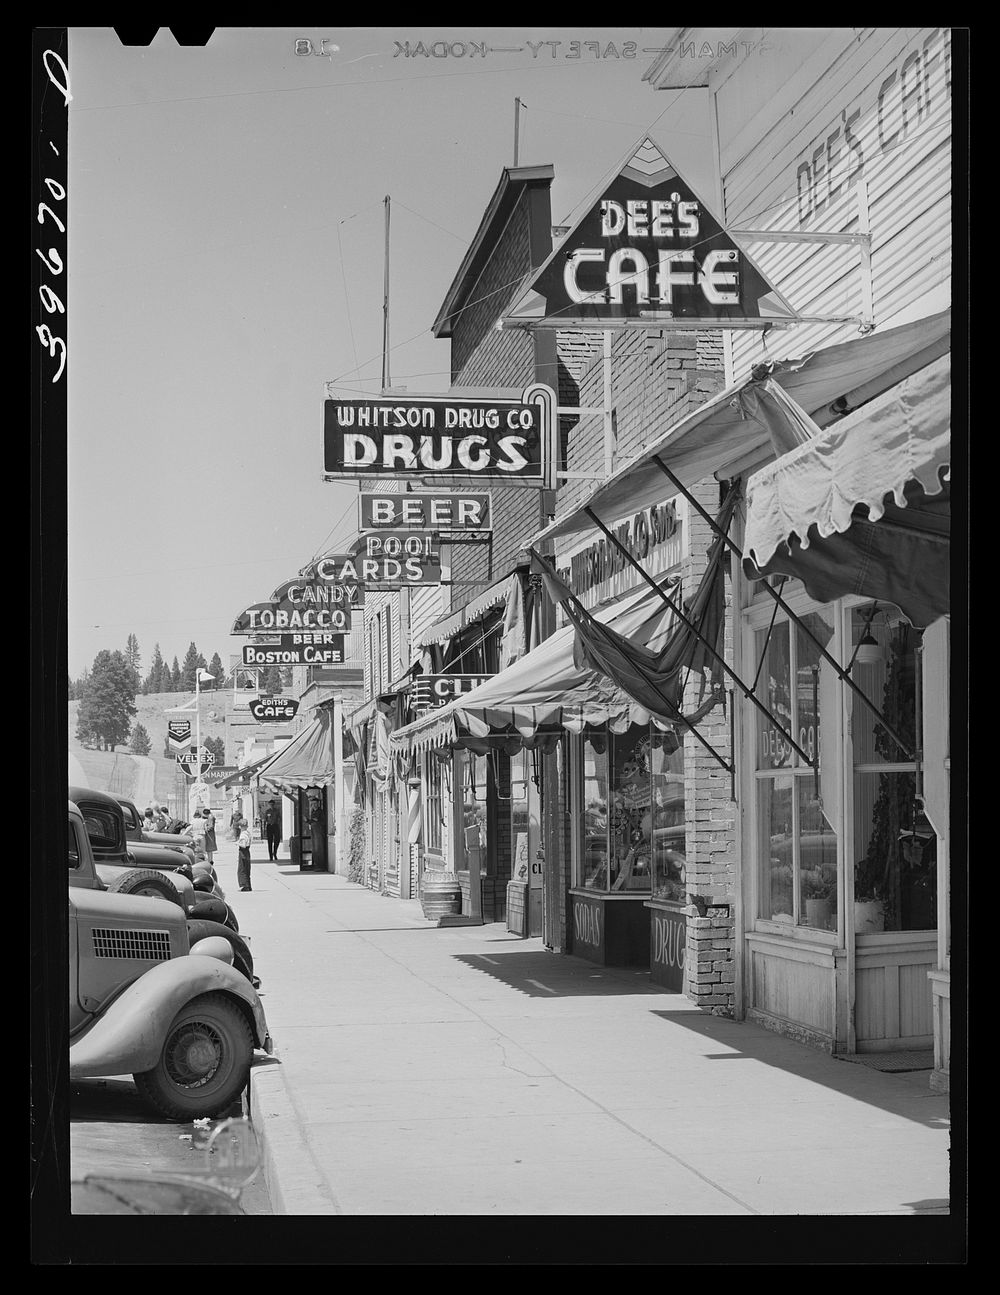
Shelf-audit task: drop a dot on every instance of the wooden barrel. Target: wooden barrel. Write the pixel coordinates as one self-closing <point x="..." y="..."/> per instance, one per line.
<point x="440" y="894"/>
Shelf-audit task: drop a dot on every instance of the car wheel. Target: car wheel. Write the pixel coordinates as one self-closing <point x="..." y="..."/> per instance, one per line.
<point x="200" y="929"/>
<point x="205" y="1061"/>
<point x="146" y="881"/>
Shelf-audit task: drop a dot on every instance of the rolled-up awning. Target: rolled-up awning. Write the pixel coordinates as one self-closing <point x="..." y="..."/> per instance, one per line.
<point x="545" y="692"/>
<point x="755" y="421"/>
<point x="307" y="761"/>
<point x="865" y="507"/>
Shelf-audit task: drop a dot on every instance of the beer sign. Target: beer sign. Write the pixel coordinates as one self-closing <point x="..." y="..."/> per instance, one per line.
<point x="272" y="710"/>
<point x="440" y="437"/>
<point x="425" y="510"/>
<point x="650" y="248"/>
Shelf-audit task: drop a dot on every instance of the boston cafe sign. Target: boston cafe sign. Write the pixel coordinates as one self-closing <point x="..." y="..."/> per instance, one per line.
<point x="439" y="436"/>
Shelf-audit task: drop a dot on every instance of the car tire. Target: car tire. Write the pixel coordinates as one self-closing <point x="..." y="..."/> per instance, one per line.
<point x="200" y="929"/>
<point x="146" y="881"/>
<point x="205" y="1061"/>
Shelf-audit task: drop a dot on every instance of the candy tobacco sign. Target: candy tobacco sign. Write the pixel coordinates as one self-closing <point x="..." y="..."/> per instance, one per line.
<point x="439" y="436"/>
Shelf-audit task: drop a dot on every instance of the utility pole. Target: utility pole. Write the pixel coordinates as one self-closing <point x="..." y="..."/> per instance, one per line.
<point x="517" y="127"/>
<point x="386" y="380"/>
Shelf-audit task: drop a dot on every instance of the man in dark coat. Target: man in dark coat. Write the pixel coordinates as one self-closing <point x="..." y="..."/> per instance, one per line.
<point x="272" y="829"/>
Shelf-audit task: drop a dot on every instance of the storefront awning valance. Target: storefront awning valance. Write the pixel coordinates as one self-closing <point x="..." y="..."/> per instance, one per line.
<point x="757" y="420"/>
<point x="544" y="691"/>
<point x="307" y="761"/>
<point x="864" y="507"/>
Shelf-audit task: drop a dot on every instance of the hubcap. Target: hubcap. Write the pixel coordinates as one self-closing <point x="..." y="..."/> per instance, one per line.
<point x="194" y="1054"/>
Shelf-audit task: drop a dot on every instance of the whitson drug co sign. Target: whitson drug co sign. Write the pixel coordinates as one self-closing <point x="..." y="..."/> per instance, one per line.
<point x="449" y="437"/>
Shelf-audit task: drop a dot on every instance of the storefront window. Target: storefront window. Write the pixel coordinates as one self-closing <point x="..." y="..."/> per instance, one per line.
<point x="633" y="813"/>
<point x="474" y="808"/>
<point x="433" y="817"/>
<point x="895" y="848"/>
<point x="797" y="877"/>
<point x="520" y="828"/>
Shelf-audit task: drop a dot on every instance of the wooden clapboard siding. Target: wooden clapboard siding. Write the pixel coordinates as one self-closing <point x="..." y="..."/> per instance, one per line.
<point x="893" y="1007"/>
<point x="909" y="186"/>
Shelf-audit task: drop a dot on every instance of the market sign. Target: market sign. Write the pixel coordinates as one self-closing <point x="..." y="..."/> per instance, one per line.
<point x="179" y="733"/>
<point x="425" y="510"/>
<point x="649" y="249"/>
<point x="429" y="691"/>
<point x="501" y="440"/>
<point x="219" y="773"/>
<point x="287" y="651"/>
<point x="271" y="710"/>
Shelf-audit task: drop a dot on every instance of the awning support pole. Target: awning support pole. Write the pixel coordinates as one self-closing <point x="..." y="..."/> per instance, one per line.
<point x="747" y="692"/>
<point x="843" y="674"/>
<point x="671" y="707"/>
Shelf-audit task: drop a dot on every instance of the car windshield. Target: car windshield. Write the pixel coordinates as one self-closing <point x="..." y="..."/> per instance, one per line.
<point x="102" y="827"/>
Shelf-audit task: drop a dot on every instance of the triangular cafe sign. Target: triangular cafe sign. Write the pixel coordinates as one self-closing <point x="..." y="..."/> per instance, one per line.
<point x="649" y="252"/>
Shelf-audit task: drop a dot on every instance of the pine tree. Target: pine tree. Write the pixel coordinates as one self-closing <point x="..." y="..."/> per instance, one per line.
<point x="192" y="660"/>
<point x="271" y="681"/>
<point x="108" y="701"/>
<point x="218" y="669"/>
<point x="154" y="680"/>
<point x="176" y="681"/>
<point x="133" y="658"/>
<point x="217" y="745"/>
<point x="140" y="743"/>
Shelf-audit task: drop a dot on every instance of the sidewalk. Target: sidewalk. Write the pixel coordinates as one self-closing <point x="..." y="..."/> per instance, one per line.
<point x="466" y="1071"/>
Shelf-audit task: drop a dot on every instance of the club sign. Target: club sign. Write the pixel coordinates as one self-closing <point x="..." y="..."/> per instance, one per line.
<point x="429" y="691"/>
<point x="272" y="710"/>
<point x="440" y="436"/>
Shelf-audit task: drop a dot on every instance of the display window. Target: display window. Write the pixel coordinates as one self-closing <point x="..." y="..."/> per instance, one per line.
<point x="796" y="801"/>
<point x="633" y="813"/>
<point x="474" y="772"/>
<point x="894" y="846"/>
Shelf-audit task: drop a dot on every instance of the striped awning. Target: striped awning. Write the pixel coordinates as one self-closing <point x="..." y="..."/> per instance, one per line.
<point x="865" y="507"/>
<point x="545" y="692"/>
<point x="307" y="761"/>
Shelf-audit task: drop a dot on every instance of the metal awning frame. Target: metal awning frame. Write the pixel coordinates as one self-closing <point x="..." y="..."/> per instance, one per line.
<point x="747" y="691"/>
<point x="670" y="708"/>
<point x="842" y="673"/>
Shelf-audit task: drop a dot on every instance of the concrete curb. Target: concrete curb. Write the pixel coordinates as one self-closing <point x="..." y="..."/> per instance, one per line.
<point x="295" y="1182"/>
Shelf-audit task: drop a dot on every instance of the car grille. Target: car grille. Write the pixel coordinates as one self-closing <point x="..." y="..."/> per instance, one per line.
<point x="150" y="946"/>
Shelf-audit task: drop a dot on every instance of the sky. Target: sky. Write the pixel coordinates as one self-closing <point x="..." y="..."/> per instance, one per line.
<point x="226" y="259"/>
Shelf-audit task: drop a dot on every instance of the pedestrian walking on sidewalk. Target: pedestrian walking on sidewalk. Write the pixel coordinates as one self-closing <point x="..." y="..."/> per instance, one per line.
<point x="243" y="841"/>
<point x="211" y="844"/>
<point x="272" y="829"/>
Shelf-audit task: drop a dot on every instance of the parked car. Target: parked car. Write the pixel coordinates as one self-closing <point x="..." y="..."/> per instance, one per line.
<point x="146" y="1001"/>
<point x="136" y="832"/>
<point x="105" y="821"/>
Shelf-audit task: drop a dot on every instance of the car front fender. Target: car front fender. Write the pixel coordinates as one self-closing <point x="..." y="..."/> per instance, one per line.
<point x="128" y="1036"/>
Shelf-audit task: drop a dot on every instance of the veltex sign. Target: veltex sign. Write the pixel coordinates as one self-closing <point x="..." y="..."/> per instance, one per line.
<point x="272" y="710"/>
<point x="649" y="248"/>
<point x="499" y="440"/>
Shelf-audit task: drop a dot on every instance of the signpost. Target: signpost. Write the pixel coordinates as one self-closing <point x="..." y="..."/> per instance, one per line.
<point x="430" y="691"/>
<point x="272" y="710"/>
<point x="289" y="651"/>
<point x="649" y="252"/>
<point x="426" y="510"/>
<point x="196" y="762"/>
<point x="441" y="438"/>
